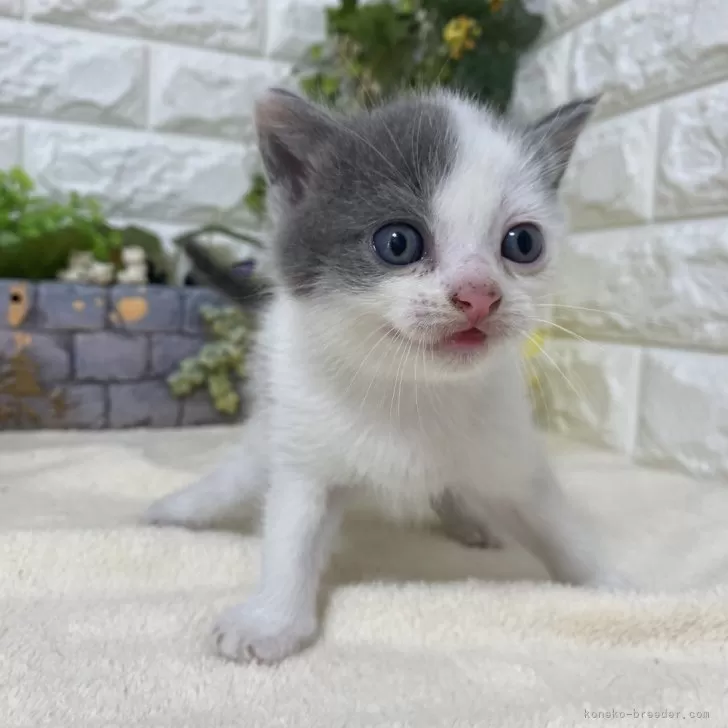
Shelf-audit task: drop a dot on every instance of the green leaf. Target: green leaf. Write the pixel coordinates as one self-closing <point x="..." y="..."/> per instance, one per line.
<point x="316" y="52"/>
<point x="9" y="239"/>
<point x="46" y="231"/>
<point x="255" y="198"/>
<point x="228" y="403"/>
<point x="329" y="85"/>
<point x="219" y="364"/>
<point x="21" y="180"/>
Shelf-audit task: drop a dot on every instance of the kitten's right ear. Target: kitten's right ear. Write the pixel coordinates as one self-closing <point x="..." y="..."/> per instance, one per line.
<point x="290" y="132"/>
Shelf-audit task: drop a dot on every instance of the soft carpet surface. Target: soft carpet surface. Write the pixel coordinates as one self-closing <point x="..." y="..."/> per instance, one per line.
<point x="105" y="623"/>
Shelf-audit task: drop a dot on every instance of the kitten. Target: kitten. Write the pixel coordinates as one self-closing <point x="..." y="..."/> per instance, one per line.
<point x="413" y="243"/>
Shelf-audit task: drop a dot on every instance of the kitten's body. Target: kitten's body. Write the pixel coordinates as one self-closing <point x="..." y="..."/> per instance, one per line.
<point x="352" y="384"/>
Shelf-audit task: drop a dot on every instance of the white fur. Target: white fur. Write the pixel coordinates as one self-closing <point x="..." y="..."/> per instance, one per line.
<point x="343" y="405"/>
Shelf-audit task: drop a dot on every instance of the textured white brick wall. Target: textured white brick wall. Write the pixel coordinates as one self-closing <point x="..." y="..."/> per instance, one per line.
<point x="645" y="271"/>
<point x="145" y="104"/>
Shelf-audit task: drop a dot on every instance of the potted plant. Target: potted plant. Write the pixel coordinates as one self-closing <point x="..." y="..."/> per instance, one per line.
<point x="94" y="321"/>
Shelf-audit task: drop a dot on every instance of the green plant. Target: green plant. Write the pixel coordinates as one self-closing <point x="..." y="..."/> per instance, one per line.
<point x="374" y="50"/>
<point x="254" y="199"/>
<point x="37" y="235"/>
<point x="219" y="364"/>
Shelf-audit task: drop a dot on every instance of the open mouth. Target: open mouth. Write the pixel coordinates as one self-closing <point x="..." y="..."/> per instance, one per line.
<point x="466" y="341"/>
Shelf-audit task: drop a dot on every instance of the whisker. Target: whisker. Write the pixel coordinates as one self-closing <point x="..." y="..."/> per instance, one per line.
<point x="366" y="358"/>
<point x="630" y="319"/>
<point x="579" y="395"/>
<point x="576" y="308"/>
<point x="394" y="387"/>
<point x="568" y="331"/>
<point x="417" y="401"/>
<point x="542" y="393"/>
<point x="405" y="356"/>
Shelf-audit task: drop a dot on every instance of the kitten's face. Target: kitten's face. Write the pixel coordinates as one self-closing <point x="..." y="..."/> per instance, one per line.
<point x="420" y="235"/>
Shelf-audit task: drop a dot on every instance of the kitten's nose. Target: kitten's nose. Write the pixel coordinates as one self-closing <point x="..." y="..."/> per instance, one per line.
<point x="477" y="300"/>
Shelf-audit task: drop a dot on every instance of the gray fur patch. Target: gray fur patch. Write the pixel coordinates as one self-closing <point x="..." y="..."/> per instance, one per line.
<point x="373" y="168"/>
<point x="553" y="136"/>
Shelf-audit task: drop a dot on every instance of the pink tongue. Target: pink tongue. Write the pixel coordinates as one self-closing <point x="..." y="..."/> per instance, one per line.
<point x="471" y="337"/>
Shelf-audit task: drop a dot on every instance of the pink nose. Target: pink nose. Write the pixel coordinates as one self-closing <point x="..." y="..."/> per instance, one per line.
<point x="477" y="301"/>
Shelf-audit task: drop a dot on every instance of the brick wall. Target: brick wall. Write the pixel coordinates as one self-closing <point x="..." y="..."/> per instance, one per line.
<point x="108" y="351"/>
<point x="648" y="200"/>
<point x="144" y="104"/>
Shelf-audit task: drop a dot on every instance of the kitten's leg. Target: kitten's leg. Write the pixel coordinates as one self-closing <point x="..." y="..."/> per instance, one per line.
<point x="301" y="520"/>
<point x="564" y="539"/>
<point x="223" y="494"/>
<point x="460" y="524"/>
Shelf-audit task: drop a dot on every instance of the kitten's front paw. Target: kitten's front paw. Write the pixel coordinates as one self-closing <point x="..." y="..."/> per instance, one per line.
<point x="472" y="535"/>
<point x="195" y="507"/>
<point x="176" y="509"/>
<point x="459" y="525"/>
<point x="248" y="633"/>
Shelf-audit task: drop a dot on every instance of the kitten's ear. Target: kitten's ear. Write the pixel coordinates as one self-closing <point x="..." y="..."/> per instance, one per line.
<point x="290" y="132"/>
<point x="555" y="135"/>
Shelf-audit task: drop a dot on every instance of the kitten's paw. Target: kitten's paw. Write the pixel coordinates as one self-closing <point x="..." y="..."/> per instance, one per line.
<point x="177" y="509"/>
<point x="246" y="633"/>
<point x="459" y="525"/>
<point x="472" y="535"/>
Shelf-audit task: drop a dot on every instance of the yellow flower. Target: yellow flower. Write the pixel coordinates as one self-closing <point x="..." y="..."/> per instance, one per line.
<point x="531" y="350"/>
<point x="459" y="35"/>
<point x="532" y="347"/>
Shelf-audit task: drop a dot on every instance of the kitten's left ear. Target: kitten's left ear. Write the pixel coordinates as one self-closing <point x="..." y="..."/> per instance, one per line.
<point x="555" y="135"/>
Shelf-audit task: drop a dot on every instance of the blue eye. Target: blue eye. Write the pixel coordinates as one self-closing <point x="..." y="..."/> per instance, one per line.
<point x="398" y="244"/>
<point x="523" y="244"/>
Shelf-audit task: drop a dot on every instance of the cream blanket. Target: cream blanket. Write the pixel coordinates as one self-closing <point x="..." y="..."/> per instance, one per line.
<point x="105" y="623"/>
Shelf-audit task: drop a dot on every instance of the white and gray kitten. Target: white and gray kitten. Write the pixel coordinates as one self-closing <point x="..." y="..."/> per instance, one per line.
<point x="413" y="245"/>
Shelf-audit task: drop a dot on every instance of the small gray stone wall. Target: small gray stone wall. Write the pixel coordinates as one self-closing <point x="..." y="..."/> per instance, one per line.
<point x="100" y="355"/>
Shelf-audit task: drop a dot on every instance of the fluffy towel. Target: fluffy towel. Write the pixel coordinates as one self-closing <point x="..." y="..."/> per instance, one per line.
<point x="106" y="623"/>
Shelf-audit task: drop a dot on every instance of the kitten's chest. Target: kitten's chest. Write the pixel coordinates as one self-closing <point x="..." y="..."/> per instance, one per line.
<point x="399" y="457"/>
<point x="410" y="441"/>
<point x="421" y="448"/>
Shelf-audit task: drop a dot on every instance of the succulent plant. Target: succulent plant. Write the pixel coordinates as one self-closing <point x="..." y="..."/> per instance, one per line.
<point x="220" y="364"/>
